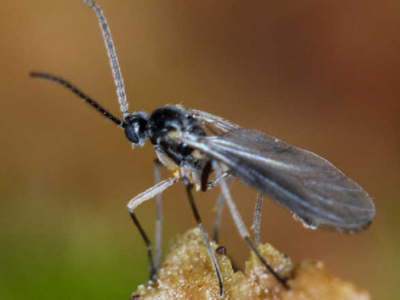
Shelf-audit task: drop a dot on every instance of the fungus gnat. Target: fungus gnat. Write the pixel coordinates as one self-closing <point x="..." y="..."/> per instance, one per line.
<point x="193" y="144"/>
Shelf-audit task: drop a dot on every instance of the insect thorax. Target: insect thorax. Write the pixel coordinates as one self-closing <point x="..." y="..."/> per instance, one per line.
<point x="165" y="126"/>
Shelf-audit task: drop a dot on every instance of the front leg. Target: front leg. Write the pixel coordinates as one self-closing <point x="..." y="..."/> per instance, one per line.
<point x="139" y="199"/>
<point x="158" y="239"/>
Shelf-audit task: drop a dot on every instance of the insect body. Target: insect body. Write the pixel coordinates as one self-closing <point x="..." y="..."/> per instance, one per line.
<point x="165" y="126"/>
<point x="193" y="144"/>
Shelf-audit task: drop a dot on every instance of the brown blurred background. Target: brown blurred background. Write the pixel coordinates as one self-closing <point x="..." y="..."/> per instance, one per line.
<point x="322" y="75"/>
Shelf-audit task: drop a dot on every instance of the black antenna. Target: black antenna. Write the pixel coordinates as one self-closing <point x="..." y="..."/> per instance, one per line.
<point x="81" y="95"/>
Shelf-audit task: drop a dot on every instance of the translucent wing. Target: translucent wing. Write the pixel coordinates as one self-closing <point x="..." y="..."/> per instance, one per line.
<point x="309" y="186"/>
<point x="214" y="124"/>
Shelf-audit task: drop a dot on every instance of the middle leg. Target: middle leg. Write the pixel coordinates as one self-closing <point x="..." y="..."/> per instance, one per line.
<point x="196" y="214"/>
<point x="218" y="213"/>
<point x="257" y="218"/>
<point x="244" y="233"/>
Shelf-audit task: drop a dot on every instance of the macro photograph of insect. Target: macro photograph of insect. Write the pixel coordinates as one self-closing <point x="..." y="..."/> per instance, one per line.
<point x="199" y="150"/>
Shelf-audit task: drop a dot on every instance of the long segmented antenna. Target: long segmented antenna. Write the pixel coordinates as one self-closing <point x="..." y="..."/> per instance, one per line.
<point x="119" y="81"/>
<point x="80" y="94"/>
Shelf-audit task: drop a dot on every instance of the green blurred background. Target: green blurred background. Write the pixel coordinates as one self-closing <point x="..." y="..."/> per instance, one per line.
<point x="322" y="75"/>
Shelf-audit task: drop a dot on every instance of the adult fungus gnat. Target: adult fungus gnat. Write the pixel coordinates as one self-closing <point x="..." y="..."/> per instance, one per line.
<point x="193" y="145"/>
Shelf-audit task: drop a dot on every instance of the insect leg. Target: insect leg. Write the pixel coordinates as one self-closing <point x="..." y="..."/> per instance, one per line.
<point x="157" y="242"/>
<point x="257" y="218"/>
<point x="196" y="214"/>
<point x="242" y="227"/>
<point x="139" y="199"/>
<point x="218" y="212"/>
<point x="213" y="183"/>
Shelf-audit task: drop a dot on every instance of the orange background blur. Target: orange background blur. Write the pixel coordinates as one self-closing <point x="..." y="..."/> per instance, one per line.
<point x="322" y="75"/>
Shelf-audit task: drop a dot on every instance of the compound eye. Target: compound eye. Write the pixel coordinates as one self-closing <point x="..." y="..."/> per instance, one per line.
<point x="135" y="129"/>
<point x="131" y="133"/>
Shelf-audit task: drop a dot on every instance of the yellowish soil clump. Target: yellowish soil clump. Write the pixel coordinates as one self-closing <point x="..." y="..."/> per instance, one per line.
<point x="187" y="273"/>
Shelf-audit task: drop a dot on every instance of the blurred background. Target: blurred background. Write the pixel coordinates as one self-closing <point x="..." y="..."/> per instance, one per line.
<point x="322" y="75"/>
